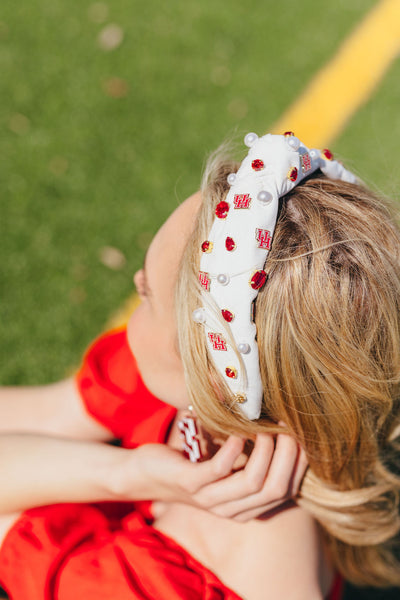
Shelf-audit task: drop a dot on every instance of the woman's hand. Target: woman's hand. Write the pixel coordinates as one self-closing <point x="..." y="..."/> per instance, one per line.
<point x="271" y="476"/>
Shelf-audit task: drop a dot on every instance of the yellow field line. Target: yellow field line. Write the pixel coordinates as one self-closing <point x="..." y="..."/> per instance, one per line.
<point x="348" y="80"/>
<point x="335" y="93"/>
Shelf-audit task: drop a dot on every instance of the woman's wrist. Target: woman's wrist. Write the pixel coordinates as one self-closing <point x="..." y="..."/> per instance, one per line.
<point x="131" y="474"/>
<point x="118" y="475"/>
<point x="149" y="472"/>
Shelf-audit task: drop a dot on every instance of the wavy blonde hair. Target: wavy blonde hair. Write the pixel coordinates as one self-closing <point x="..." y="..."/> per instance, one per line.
<point x="328" y="328"/>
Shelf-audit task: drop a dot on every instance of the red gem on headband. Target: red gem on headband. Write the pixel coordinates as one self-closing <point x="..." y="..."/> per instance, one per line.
<point x="288" y="133"/>
<point x="327" y="154"/>
<point x="257" y="164"/>
<point x="292" y="175"/>
<point x="207" y="246"/>
<point x="227" y="314"/>
<point x="222" y="209"/>
<point x="231" y="372"/>
<point x="230" y="244"/>
<point x="258" y="280"/>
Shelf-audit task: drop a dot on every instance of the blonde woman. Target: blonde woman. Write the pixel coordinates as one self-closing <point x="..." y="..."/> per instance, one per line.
<point x="248" y="521"/>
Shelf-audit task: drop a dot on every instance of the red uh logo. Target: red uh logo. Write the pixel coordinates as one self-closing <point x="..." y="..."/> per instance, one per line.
<point x="242" y="201"/>
<point x="204" y="280"/>
<point x="305" y="162"/>
<point x="217" y="341"/>
<point x="263" y="238"/>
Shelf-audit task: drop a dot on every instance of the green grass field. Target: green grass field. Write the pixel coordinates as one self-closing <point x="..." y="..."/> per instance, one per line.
<point x="105" y="129"/>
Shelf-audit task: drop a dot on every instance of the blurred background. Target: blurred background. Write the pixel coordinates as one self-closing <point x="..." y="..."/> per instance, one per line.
<point x="108" y="111"/>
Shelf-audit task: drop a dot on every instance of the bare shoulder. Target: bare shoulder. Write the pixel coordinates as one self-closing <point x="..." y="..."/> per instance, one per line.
<point x="289" y="557"/>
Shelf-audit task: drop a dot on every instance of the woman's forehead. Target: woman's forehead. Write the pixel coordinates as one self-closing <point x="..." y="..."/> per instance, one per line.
<point x="167" y="247"/>
<point x="176" y="230"/>
<point x="183" y="217"/>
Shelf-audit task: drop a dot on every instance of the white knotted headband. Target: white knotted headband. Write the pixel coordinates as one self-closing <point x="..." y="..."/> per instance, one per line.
<point x="235" y="251"/>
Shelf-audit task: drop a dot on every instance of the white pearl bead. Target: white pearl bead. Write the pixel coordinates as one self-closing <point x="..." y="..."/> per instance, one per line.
<point x="313" y="153"/>
<point x="198" y="315"/>
<point x="264" y="197"/>
<point x="223" y="279"/>
<point x="293" y="142"/>
<point x="250" y="139"/>
<point x="231" y="178"/>
<point x="244" y="348"/>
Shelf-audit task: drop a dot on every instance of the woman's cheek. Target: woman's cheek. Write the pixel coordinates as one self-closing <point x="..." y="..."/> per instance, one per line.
<point x="153" y="348"/>
<point x="135" y="331"/>
<point x="143" y="342"/>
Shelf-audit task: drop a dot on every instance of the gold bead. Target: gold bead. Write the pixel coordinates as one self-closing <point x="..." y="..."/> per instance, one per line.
<point x="240" y="398"/>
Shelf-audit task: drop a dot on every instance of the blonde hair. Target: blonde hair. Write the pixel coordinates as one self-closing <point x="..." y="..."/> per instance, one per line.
<point x="328" y="330"/>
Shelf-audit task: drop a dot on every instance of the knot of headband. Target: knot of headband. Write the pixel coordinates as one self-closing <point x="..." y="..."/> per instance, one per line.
<point x="234" y="254"/>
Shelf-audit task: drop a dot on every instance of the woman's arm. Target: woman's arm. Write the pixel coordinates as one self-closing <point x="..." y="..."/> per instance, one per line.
<point x="54" y="409"/>
<point x="37" y="470"/>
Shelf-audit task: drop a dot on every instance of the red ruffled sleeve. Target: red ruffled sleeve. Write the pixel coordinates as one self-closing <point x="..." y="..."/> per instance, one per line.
<point x="113" y="392"/>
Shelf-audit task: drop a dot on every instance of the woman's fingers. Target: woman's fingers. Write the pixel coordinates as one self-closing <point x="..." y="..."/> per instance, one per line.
<point x="259" y="462"/>
<point x="246" y="481"/>
<point x="218" y="467"/>
<point x="280" y="473"/>
<point x="298" y="475"/>
<point x="221" y="464"/>
<point x="277" y="486"/>
<point x="272" y="475"/>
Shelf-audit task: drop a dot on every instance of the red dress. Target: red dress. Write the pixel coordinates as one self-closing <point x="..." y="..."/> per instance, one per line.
<point x="108" y="550"/>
